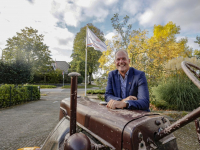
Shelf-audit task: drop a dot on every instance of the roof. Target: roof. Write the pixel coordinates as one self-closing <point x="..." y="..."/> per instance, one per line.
<point x="62" y="65"/>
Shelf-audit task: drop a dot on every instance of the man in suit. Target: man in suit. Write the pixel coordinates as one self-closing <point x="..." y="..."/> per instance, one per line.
<point x="126" y="86"/>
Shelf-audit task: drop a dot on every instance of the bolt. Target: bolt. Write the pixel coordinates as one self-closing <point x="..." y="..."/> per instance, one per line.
<point x="157" y="122"/>
<point x="140" y="136"/>
<point x="163" y="120"/>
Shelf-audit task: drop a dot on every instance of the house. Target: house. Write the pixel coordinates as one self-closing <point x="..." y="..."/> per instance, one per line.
<point x="62" y="65"/>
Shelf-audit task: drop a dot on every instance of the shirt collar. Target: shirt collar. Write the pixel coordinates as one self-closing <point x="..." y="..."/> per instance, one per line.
<point x="125" y="74"/>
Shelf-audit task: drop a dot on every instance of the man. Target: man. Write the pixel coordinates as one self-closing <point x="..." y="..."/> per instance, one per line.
<point x="126" y="87"/>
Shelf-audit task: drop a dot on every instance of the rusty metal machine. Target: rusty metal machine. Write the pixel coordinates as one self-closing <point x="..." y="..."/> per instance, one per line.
<point x="85" y="124"/>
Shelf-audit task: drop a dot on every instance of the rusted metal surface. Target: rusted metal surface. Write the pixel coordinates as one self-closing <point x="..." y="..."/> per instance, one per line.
<point x="187" y="67"/>
<point x="178" y="124"/>
<point x="197" y="129"/>
<point x="56" y="138"/>
<point x="118" y="128"/>
<point x="77" y="141"/>
<point x="73" y="101"/>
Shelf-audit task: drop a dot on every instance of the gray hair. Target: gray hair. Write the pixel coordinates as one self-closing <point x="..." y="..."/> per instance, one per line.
<point x="121" y="50"/>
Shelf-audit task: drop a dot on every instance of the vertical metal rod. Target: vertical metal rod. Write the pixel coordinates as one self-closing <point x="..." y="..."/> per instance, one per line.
<point x="73" y="102"/>
<point x="86" y="63"/>
<point x="197" y="129"/>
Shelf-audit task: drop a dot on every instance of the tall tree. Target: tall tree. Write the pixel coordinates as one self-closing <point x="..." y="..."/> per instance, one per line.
<point x="28" y="46"/>
<point x="78" y="55"/>
<point x="150" y="54"/>
<point x="120" y="28"/>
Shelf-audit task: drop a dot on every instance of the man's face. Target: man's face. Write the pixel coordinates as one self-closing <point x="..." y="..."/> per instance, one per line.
<point x="122" y="62"/>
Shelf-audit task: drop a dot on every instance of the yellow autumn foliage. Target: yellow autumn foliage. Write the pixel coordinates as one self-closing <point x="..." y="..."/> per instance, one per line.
<point x="149" y="54"/>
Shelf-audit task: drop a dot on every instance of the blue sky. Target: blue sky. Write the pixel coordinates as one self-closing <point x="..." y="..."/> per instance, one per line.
<point x="60" y="20"/>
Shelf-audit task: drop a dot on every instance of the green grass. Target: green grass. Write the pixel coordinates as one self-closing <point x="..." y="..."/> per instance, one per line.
<point x="44" y="86"/>
<point x="79" y="86"/>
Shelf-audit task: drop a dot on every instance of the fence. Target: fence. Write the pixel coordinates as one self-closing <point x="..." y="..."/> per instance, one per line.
<point x="13" y="95"/>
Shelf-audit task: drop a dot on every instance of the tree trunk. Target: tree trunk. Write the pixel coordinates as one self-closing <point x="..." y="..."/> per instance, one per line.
<point x="90" y="78"/>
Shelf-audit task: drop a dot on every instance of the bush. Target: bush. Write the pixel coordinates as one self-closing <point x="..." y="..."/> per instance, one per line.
<point x="16" y="72"/>
<point x="80" y="79"/>
<point x="96" y="91"/>
<point x="13" y="95"/>
<point x="33" y="91"/>
<point x="179" y="92"/>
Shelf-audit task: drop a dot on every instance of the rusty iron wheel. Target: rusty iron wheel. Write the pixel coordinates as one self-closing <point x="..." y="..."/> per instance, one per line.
<point x="192" y="71"/>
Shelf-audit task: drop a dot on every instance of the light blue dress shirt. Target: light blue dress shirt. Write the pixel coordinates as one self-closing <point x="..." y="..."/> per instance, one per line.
<point x="123" y="84"/>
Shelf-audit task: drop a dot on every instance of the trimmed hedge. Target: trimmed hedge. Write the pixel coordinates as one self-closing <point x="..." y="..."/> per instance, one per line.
<point x="96" y="91"/>
<point x="13" y="95"/>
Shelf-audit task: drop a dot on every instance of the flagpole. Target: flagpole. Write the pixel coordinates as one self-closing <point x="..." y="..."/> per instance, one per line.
<point x="86" y="63"/>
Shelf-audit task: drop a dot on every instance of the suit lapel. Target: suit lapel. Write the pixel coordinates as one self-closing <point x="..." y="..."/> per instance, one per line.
<point x="129" y="81"/>
<point x="118" y="84"/>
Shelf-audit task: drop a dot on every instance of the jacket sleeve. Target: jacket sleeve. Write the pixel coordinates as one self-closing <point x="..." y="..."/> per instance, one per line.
<point x="143" y="95"/>
<point x="110" y="93"/>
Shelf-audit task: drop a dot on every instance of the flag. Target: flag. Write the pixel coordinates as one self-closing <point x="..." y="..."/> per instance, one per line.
<point x="93" y="41"/>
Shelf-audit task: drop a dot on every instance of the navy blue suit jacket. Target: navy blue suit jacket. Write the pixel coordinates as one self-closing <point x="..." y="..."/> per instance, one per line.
<point x="136" y="86"/>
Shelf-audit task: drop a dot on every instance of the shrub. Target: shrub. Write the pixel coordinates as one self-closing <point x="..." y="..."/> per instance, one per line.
<point x="33" y="91"/>
<point x="179" y="92"/>
<point x="96" y="91"/>
<point x="13" y="95"/>
<point x="80" y="79"/>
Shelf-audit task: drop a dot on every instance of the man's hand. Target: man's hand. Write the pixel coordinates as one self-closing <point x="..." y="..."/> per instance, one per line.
<point x="113" y="104"/>
<point x="130" y="98"/>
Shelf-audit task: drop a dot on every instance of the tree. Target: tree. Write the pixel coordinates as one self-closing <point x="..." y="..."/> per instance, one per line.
<point x="197" y="52"/>
<point x="28" y="46"/>
<point x="17" y="72"/>
<point x="151" y="54"/>
<point x="78" y="54"/>
<point x="119" y="27"/>
<point x="198" y="40"/>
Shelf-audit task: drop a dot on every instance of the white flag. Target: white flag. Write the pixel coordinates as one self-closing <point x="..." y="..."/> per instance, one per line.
<point x="94" y="41"/>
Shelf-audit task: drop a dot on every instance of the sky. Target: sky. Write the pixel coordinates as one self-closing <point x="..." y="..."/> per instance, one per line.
<point x="60" y="20"/>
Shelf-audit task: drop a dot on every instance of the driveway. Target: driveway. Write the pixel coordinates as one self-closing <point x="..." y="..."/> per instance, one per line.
<point x="29" y="124"/>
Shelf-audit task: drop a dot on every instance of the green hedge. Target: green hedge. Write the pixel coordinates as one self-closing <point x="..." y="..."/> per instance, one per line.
<point x="96" y="91"/>
<point x="13" y="95"/>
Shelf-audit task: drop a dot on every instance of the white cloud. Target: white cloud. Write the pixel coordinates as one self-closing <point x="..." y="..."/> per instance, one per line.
<point x="109" y="35"/>
<point x="146" y="17"/>
<point x="44" y="15"/>
<point x="132" y="7"/>
<point x="37" y="15"/>
<point x="72" y="13"/>
<point x="182" y="12"/>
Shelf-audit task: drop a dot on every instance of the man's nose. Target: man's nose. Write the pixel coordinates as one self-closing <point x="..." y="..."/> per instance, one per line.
<point x="120" y="60"/>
